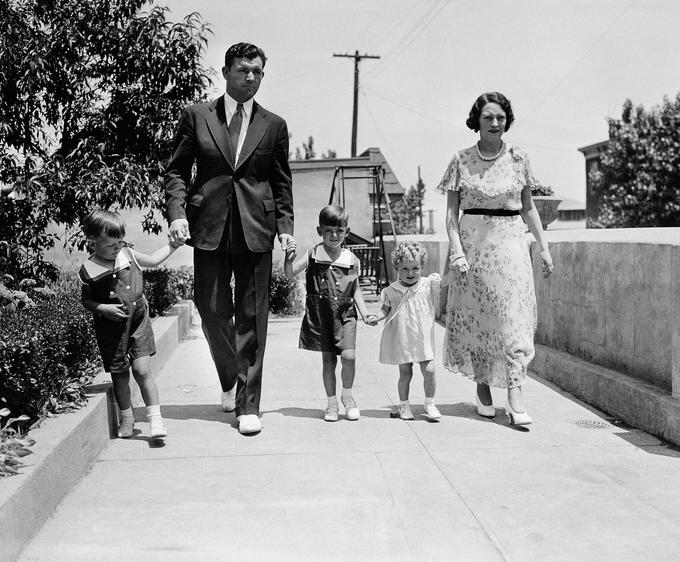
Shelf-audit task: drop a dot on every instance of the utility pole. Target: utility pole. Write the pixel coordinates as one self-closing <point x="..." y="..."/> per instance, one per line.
<point x="357" y="57"/>
<point x="420" y="190"/>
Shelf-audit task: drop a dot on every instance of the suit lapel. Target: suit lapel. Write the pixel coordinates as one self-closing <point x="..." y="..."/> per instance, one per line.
<point x="256" y="129"/>
<point x="216" y="120"/>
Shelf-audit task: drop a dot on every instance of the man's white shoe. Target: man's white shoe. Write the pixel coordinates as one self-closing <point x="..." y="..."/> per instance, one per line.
<point x="229" y="400"/>
<point x="249" y="423"/>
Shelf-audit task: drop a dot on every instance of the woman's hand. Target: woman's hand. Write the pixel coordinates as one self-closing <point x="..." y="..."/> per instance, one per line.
<point x="457" y="262"/>
<point x="547" y="262"/>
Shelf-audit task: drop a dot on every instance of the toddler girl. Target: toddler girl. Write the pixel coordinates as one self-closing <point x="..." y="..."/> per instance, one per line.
<point x="112" y="290"/>
<point x="408" y="335"/>
<point x="333" y="297"/>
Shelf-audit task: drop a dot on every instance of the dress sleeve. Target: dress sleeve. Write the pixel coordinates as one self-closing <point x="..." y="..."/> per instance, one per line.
<point x="527" y="178"/>
<point x="435" y="287"/>
<point x="451" y="177"/>
<point x="385" y="298"/>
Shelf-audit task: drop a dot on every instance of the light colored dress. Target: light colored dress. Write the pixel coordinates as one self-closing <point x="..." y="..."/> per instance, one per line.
<point x="491" y="311"/>
<point x="408" y="333"/>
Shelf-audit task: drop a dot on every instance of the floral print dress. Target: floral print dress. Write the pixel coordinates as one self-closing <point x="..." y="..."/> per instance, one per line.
<point x="491" y="311"/>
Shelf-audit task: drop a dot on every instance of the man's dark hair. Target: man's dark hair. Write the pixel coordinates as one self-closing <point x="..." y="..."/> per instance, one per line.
<point x="243" y="50"/>
<point x="490" y="97"/>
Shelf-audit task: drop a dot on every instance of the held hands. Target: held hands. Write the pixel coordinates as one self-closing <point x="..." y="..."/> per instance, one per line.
<point x="288" y="245"/>
<point x="371" y="319"/>
<point x="113" y="312"/>
<point x="457" y="262"/>
<point x="547" y="262"/>
<point x="179" y="232"/>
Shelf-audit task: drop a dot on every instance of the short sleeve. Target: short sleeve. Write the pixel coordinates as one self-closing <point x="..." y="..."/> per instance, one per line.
<point x="527" y="175"/>
<point x="385" y="298"/>
<point x="83" y="277"/>
<point x="435" y="287"/>
<point x="450" y="180"/>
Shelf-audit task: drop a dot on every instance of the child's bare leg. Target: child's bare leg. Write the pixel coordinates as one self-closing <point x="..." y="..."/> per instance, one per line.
<point x="347" y="358"/>
<point x="141" y="370"/>
<point x="429" y="381"/>
<point x="430" y="385"/>
<point x="121" y="389"/>
<point x="404" y="384"/>
<point x="330" y="360"/>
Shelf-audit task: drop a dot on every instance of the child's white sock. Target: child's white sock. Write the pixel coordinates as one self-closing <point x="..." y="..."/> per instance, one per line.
<point x="403" y="402"/>
<point x="153" y="411"/>
<point x="332" y="400"/>
<point x="126" y="414"/>
<point x="429" y="400"/>
<point x="347" y="392"/>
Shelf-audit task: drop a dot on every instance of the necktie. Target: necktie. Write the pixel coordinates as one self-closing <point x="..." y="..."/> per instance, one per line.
<point x="235" y="129"/>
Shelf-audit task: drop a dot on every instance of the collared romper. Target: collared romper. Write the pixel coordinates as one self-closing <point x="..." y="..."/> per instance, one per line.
<point x="120" y="341"/>
<point x="330" y="322"/>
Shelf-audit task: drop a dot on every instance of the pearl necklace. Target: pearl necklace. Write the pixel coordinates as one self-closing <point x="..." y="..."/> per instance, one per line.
<point x="489" y="158"/>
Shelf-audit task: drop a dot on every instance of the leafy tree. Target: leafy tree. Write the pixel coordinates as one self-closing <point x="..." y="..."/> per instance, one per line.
<point x="638" y="179"/>
<point x="408" y="212"/>
<point x="307" y="152"/>
<point x="90" y="93"/>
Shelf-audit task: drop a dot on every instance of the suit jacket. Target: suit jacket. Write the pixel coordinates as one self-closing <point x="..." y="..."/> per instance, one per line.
<point x="260" y="181"/>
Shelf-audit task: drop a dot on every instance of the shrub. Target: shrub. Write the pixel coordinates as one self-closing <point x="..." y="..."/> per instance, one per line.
<point x="163" y="287"/>
<point x="13" y="445"/>
<point x="284" y="294"/>
<point x="542" y="190"/>
<point x="47" y="353"/>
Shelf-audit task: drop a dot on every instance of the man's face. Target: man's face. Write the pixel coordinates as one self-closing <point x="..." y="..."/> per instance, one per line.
<point x="243" y="78"/>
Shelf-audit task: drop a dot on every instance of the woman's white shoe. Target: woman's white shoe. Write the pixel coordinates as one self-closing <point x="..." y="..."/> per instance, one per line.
<point x="484" y="410"/>
<point x="516" y="418"/>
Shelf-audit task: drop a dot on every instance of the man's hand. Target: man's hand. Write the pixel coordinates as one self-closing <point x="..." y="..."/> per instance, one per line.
<point x="288" y="245"/>
<point x="179" y="231"/>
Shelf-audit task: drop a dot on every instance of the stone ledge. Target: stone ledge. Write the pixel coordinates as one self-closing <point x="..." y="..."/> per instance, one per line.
<point x="639" y="404"/>
<point x="67" y="445"/>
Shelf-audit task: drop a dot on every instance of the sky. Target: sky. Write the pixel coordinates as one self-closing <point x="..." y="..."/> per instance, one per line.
<point x="566" y="66"/>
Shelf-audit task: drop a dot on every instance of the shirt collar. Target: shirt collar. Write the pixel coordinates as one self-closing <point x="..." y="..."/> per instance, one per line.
<point x="343" y="260"/>
<point x="230" y="104"/>
<point x="96" y="271"/>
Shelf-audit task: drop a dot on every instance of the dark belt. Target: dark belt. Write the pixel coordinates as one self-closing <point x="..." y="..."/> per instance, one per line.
<point x="492" y="212"/>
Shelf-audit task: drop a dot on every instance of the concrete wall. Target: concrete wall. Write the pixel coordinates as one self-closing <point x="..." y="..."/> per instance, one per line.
<point x="613" y="300"/>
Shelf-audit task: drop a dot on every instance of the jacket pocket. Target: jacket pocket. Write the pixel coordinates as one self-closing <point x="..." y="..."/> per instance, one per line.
<point x="269" y="205"/>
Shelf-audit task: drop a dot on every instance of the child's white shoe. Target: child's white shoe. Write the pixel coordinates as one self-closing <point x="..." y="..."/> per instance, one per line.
<point x="432" y="412"/>
<point x="158" y="430"/>
<point x="351" y="411"/>
<point x="331" y="413"/>
<point x="405" y="412"/>
<point x="126" y="428"/>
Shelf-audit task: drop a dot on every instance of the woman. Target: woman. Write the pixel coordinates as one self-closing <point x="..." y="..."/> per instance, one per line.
<point x="491" y="307"/>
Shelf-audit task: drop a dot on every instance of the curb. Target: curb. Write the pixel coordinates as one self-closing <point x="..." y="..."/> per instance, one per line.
<point x="67" y="445"/>
<point x="639" y="404"/>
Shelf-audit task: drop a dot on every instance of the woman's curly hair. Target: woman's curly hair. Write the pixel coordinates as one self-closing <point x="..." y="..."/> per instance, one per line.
<point x="490" y="97"/>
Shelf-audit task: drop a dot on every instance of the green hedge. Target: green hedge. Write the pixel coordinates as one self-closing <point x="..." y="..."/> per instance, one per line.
<point x="163" y="287"/>
<point x="47" y="353"/>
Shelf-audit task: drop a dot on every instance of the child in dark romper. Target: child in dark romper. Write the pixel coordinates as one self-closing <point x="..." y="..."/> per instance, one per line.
<point x="333" y="297"/>
<point x="112" y="289"/>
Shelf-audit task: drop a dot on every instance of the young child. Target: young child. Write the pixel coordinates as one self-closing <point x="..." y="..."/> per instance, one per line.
<point x="408" y="335"/>
<point x="112" y="291"/>
<point x="333" y="297"/>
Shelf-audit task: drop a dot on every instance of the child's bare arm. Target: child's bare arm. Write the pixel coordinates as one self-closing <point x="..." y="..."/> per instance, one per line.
<point x="368" y="318"/>
<point x="384" y="313"/>
<point x="291" y="268"/>
<point x="110" y="311"/>
<point x="158" y="257"/>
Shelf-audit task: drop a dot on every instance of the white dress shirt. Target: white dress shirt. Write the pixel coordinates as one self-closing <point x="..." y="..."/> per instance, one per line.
<point x="230" y="105"/>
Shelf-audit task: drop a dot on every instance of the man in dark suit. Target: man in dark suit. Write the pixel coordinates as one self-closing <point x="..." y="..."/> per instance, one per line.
<point x="230" y="207"/>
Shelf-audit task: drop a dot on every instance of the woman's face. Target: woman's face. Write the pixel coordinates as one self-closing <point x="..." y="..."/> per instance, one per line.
<point x="492" y="122"/>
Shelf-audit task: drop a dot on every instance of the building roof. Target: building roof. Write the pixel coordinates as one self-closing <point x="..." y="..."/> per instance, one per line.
<point x="370" y="157"/>
<point x="594" y="149"/>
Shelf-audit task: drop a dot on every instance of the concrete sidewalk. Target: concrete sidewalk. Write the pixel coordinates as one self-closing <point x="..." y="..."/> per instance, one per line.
<point x="573" y="486"/>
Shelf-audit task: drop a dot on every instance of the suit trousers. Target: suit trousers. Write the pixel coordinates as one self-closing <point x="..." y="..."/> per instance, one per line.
<point x="235" y="322"/>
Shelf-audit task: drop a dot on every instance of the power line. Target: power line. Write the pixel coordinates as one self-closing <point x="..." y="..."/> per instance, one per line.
<point x="357" y="58"/>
